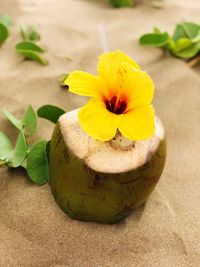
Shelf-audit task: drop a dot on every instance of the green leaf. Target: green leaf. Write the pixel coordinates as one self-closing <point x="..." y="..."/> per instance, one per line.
<point x="179" y="32"/>
<point x="19" y="152"/>
<point x="197" y="38"/>
<point x="23" y="33"/>
<point x="62" y="79"/>
<point x="5" y="147"/>
<point x="29" y="33"/>
<point x="3" y="33"/>
<point x="28" y="46"/>
<point x="182" y="44"/>
<point x="30" y="121"/>
<point x="30" y="51"/>
<point x="24" y="164"/>
<point x="34" y="35"/>
<point x="191" y="29"/>
<point x="170" y="45"/>
<point x="156" y="30"/>
<point x="154" y="39"/>
<point x="28" y="54"/>
<point x="122" y="3"/>
<point x="17" y="123"/>
<point x="50" y="112"/>
<point x="188" y="52"/>
<point x="6" y="21"/>
<point x="37" y="163"/>
<point x="185" y="42"/>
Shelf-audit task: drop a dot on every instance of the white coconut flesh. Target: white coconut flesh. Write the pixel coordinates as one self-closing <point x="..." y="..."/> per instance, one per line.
<point x="117" y="155"/>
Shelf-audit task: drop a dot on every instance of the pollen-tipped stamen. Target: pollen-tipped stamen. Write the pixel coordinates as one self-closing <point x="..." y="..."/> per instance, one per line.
<point x="116" y="105"/>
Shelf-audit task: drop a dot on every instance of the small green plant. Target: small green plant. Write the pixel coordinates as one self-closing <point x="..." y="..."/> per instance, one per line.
<point x="184" y="43"/>
<point x="4" y="28"/>
<point x="29" y="33"/>
<point x="31" y="51"/>
<point x="28" y="48"/>
<point x="122" y="3"/>
<point x="32" y="157"/>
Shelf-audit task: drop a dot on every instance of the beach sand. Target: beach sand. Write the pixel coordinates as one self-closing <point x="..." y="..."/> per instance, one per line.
<point x="34" y="232"/>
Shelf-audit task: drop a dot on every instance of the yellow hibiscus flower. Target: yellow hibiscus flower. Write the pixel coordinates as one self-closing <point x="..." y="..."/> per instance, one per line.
<point x="121" y="97"/>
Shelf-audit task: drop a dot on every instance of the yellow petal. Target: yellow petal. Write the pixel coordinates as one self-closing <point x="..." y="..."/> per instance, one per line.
<point x="134" y="85"/>
<point x="83" y="83"/>
<point x="108" y="66"/>
<point x="140" y="88"/>
<point x="114" y="59"/>
<point x="138" y="124"/>
<point x="97" y="121"/>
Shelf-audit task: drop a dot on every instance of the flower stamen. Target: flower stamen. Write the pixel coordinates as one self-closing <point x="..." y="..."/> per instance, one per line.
<point x="115" y="105"/>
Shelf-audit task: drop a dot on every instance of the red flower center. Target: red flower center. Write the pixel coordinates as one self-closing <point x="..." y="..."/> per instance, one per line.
<point x="115" y="105"/>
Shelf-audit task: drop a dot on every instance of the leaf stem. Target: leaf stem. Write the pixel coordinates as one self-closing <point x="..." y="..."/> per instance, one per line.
<point x="194" y="61"/>
<point x="2" y="163"/>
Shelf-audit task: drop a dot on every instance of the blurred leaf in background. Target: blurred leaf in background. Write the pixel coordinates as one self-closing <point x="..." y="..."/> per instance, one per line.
<point x="27" y="48"/>
<point x="122" y="3"/>
<point x="29" y="33"/>
<point x="184" y="42"/>
<point x="5" y="23"/>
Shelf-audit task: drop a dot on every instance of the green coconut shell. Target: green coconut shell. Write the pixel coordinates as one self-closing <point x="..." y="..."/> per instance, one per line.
<point x="90" y="195"/>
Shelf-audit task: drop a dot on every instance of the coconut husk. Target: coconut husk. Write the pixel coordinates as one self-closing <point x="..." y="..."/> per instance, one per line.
<point x="102" y="181"/>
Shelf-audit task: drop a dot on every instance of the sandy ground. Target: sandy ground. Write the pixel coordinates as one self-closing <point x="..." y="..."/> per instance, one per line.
<point x="166" y="231"/>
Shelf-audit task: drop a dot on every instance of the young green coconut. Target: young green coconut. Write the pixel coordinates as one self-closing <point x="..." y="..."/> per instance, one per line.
<point x="102" y="181"/>
<point x="107" y="157"/>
